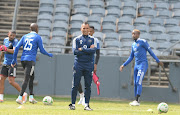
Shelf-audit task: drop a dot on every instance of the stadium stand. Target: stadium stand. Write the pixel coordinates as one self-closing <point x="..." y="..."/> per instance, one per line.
<point x="114" y="20"/>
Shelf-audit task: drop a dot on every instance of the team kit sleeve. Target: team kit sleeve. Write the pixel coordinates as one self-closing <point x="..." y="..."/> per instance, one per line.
<point x="42" y="50"/>
<point x="130" y="58"/>
<point x="97" y="52"/>
<point x="75" y="48"/>
<point x="148" y="48"/>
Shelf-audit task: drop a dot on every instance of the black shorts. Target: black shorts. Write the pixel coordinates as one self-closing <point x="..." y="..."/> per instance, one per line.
<point x="29" y="67"/>
<point x="8" y="71"/>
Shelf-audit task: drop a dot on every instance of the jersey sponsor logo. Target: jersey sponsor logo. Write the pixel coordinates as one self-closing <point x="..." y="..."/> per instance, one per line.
<point x="137" y="45"/>
<point x="85" y="46"/>
<point x="81" y="41"/>
<point x="90" y="41"/>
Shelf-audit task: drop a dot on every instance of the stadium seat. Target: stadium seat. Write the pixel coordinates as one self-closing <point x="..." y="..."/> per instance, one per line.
<point x="129" y="12"/>
<point x="82" y="10"/>
<point x="153" y="45"/>
<point x="112" y="53"/>
<point x="148" y="13"/>
<point x="63" y="3"/>
<point x="61" y="17"/>
<point x="112" y="44"/>
<point x="147" y="36"/>
<point x="162" y="46"/>
<point x="124" y="37"/>
<point x="176" y="14"/>
<point x="157" y="30"/>
<point x="98" y="11"/>
<point x="165" y="14"/>
<point x="45" y="40"/>
<point x="156" y="22"/>
<point x="44" y="25"/>
<point x="125" y="28"/>
<point x="77" y="18"/>
<point x="75" y="27"/>
<point x="161" y="6"/>
<point x="145" y="6"/>
<point x="129" y="4"/>
<point x="125" y="20"/>
<point x="94" y="18"/>
<point x="111" y="36"/>
<point x="175" y="6"/>
<point x="49" y="3"/>
<point x="59" y="33"/>
<point x="45" y="33"/>
<point x="57" y="41"/>
<point x="165" y="1"/>
<point x="45" y="16"/>
<point x="60" y="25"/>
<point x="109" y="19"/>
<point x="127" y="44"/>
<point x="80" y="4"/>
<point x="113" y="4"/>
<point x="108" y="28"/>
<point x="141" y="21"/>
<point x="162" y="38"/>
<point x="62" y="10"/>
<point x="75" y="34"/>
<point x="173" y="30"/>
<point x="143" y="28"/>
<point x="97" y="27"/>
<point x="96" y="4"/>
<point x="113" y="12"/>
<point x="174" y="38"/>
<point x="171" y="22"/>
<point x="99" y="36"/>
<point x="46" y="9"/>
<point x="103" y="52"/>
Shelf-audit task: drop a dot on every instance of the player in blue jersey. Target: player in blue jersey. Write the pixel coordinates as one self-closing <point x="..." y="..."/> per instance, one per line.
<point x="81" y="93"/>
<point x="30" y="42"/>
<point x="7" y="51"/>
<point x="139" y="50"/>
<point x="84" y="48"/>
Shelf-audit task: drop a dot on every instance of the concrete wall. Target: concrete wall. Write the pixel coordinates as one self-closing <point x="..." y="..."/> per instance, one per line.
<point x="54" y="76"/>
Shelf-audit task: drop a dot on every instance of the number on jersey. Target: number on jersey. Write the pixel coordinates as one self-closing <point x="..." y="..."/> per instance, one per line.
<point x="28" y="45"/>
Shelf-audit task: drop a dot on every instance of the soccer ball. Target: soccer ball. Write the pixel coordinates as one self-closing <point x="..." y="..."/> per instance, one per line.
<point x="47" y="100"/>
<point x="162" y="107"/>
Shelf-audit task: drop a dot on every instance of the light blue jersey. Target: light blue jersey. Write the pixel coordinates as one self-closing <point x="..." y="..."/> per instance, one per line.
<point x="8" y="57"/>
<point x="30" y="42"/>
<point x="97" y="41"/>
<point x="139" y="50"/>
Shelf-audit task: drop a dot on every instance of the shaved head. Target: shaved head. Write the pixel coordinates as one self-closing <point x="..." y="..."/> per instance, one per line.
<point x="135" y="34"/>
<point x="34" y="27"/>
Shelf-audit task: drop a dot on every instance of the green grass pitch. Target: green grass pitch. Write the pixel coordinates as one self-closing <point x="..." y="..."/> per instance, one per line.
<point x="99" y="106"/>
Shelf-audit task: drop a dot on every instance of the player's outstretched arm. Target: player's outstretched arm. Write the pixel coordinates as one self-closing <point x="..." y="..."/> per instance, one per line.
<point x="42" y="50"/>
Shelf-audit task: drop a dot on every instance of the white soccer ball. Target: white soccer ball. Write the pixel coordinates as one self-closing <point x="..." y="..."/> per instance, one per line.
<point x="47" y="100"/>
<point x="162" y="107"/>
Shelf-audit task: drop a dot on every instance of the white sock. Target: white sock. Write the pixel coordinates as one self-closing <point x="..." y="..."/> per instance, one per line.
<point x="86" y="104"/>
<point x="81" y="95"/>
<point x="1" y="96"/>
<point x="73" y="105"/>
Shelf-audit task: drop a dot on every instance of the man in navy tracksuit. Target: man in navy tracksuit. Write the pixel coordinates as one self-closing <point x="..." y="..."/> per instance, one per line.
<point x="138" y="50"/>
<point x="84" y="48"/>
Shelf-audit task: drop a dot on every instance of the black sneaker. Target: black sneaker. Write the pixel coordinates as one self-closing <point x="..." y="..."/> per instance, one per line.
<point x="71" y="107"/>
<point x="88" y="108"/>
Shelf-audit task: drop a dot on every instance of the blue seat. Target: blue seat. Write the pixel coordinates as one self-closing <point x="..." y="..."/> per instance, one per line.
<point x="62" y="10"/>
<point x="109" y="19"/>
<point x="141" y="21"/>
<point x="98" y="11"/>
<point x="111" y="36"/>
<point x="125" y="28"/>
<point x="125" y="20"/>
<point x="108" y="28"/>
<point x="60" y="25"/>
<point x="156" y="22"/>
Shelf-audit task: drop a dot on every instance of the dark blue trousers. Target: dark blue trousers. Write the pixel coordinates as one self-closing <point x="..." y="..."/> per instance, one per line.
<point x="86" y="70"/>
